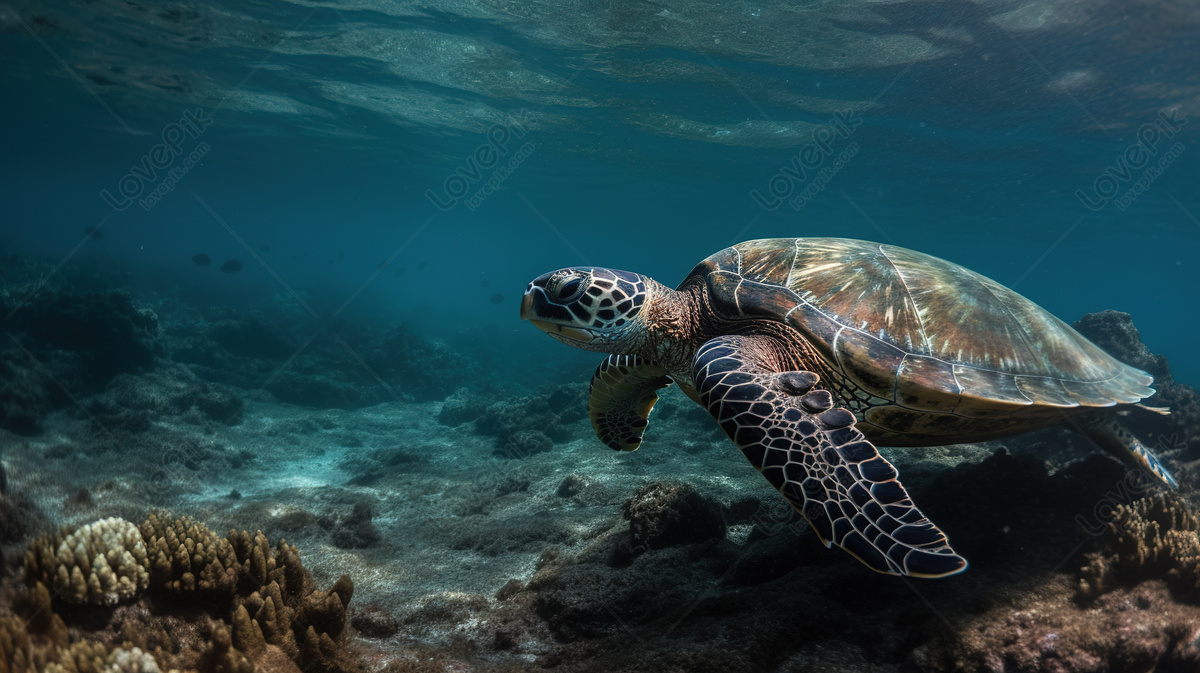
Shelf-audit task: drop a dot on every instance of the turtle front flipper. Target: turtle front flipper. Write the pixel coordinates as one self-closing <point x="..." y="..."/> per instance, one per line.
<point x="811" y="452"/>
<point x="624" y="390"/>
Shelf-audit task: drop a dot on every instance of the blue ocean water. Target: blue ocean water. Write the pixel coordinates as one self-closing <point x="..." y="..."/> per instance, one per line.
<point x="648" y="135"/>
<point x="371" y="164"/>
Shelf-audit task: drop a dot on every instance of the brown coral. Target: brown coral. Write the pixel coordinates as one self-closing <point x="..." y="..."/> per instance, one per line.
<point x="269" y="611"/>
<point x="30" y="638"/>
<point x="184" y="555"/>
<point x="1157" y="536"/>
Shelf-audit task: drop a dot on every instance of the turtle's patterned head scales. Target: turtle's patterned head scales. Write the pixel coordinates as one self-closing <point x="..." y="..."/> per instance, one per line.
<point x="586" y="306"/>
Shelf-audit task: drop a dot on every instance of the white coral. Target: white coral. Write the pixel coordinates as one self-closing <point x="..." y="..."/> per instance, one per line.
<point x="120" y="660"/>
<point x="133" y="660"/>
<point x="107" y="563"/>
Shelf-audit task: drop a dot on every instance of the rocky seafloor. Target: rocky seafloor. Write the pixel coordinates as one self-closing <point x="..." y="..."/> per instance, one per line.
<point x="437" y="519"/>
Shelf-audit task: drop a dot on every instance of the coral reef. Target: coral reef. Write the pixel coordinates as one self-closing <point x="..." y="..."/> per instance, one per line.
<point x="184" y="555"/>
<point x="27" y="393"/>
<point x="89" y="657"/>
<point x="422" y="367"/>
<point x="1157" y="536"/>
<point x="265" y="610"/>
<point x="101" y="563"/>
<point x="31" y="637"/>
<point x="669" y="606"/>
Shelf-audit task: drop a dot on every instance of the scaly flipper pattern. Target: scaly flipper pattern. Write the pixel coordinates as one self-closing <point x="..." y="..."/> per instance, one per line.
<point x="811" y="452"/>
<point x="624" y="389"/>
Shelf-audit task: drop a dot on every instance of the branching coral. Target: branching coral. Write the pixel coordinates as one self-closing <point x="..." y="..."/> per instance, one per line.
<point x="92" y="657"/>
<point x="268" y="609"/>
<point x="102" y="563"/>
<point x="31" y="638"/>
<point x="1154" y="537"/>
<point x="184" y="555"/>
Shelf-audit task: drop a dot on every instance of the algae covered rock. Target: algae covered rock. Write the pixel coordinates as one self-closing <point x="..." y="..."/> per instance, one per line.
<point x="525" y="443"/>
<point x="375" y="622"/>
<point x="554" y="413"/>
<point x="668" y="513"/>
<point x="462" y="406"/>
<point x="355" y="530"/>
<point x="1137" y="629"/>
<point x="102" y="563"/>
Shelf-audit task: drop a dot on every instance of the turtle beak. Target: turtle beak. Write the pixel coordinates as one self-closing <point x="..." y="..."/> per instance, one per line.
<point x="563" y="332"/>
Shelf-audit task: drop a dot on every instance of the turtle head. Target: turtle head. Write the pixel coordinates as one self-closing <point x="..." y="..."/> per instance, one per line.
<point x="589" y="307"/>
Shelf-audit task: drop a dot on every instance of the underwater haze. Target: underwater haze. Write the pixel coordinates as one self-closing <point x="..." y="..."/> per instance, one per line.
<point x="262" y="265"/>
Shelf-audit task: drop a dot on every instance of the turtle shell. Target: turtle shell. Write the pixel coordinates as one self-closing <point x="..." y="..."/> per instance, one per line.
<point x="926" y="334"/>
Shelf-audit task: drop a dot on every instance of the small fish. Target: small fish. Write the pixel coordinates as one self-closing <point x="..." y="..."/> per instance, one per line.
<point x="421" y="265"/>
<point x="202" y="259"/>
<point x="497" y="298"/>
<point x="383" y="265"/>
<point x="399" y="272"/>
<point x="232" y="266"/>
<point x="485" y="283"/>
<point x="264" y="248"/>
<point x="94" y="232"/>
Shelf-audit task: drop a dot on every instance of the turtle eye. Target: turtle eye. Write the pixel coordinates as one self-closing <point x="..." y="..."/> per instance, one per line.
<point x="567" y="289"/>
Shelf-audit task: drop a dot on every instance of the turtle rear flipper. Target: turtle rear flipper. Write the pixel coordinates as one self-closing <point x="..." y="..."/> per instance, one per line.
<point x="811" y="452"/>
<point x="1106" y="432"/>
<point x="624" y="389"/>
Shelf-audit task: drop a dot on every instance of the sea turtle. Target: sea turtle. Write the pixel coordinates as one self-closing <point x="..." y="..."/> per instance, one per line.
<point x="809" y="351"/>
